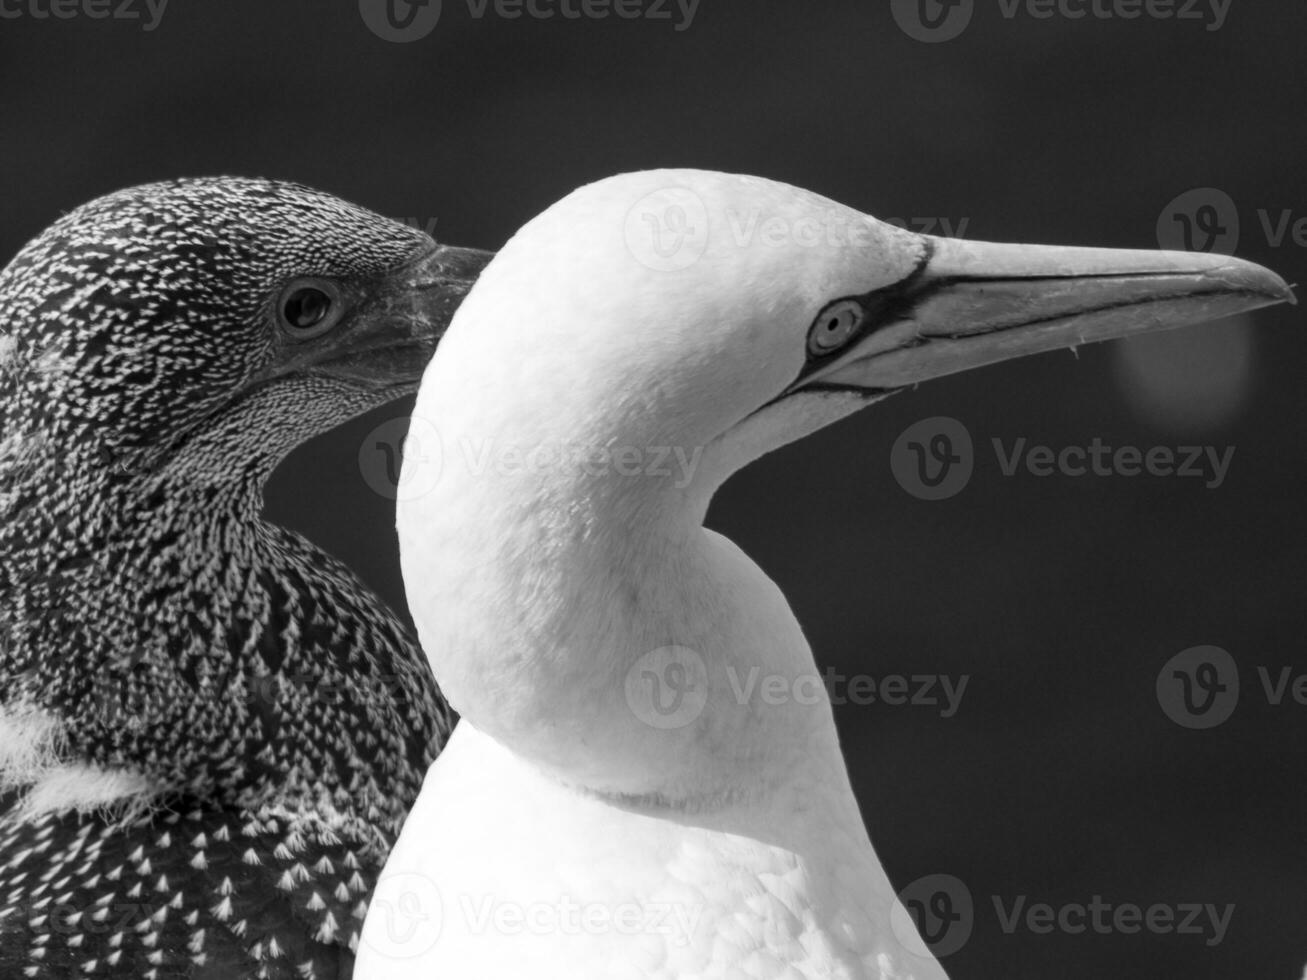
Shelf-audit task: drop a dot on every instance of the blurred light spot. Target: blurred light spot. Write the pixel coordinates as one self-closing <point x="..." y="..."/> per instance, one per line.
<point x="1192" y="379"/>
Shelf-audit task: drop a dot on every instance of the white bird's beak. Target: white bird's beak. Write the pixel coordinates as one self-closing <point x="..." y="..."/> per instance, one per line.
<point x="969" y="304"/>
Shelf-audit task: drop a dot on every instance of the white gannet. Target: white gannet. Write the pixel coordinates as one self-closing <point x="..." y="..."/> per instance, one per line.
<point x="618" y="801"/>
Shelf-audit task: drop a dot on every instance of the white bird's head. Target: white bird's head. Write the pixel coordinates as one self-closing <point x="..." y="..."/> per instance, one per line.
<point x="718" y="317"/>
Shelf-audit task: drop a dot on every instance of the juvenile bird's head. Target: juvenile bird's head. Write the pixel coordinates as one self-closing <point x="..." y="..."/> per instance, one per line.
<point x="161" y="350"/>
<point x="212" y="325"/>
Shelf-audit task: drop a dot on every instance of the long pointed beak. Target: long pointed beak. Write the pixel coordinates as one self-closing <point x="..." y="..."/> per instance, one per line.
<point x="394" y="332"/>
<point x="970" y="304"/>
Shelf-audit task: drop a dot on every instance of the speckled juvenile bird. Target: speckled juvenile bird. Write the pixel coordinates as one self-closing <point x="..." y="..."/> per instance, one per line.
<point x="210" y="730"/>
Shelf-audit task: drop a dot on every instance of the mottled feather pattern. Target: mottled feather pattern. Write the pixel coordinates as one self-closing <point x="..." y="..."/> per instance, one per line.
<point x="192" y="891"/>
<point x="280" y="714"/>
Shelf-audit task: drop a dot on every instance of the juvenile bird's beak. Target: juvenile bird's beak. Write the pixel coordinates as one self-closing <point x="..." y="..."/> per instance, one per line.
<point x="968" y="304"/>
<point x="392" y="335"/>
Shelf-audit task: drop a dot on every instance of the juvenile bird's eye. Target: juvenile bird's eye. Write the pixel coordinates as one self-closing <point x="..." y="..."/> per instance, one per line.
<point x="309" y="308"/>
<point x="835" y="327"/>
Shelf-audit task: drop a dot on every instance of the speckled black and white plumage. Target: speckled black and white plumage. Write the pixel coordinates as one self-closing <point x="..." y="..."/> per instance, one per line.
<point x="242" y="722"/>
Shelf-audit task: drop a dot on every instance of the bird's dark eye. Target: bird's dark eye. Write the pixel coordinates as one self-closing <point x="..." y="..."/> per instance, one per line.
<point x="835" y="327"/>
<point x="309" y="308"/>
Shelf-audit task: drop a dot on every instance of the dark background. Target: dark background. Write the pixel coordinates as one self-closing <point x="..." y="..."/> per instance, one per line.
<point x="1060" y="778"/>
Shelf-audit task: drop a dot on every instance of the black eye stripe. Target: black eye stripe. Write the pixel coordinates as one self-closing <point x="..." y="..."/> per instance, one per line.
<point x="880" y="307"/>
